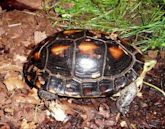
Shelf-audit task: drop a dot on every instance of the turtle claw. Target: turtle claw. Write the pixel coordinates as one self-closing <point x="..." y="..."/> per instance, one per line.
<point x="46" y="95"/>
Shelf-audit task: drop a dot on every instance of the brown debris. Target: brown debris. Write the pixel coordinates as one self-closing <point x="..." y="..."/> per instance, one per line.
<point x="152" y="54"/>
<point x="12" y="83"/>
<point x="4" y="126"/>
<point x="21" y="4"/>
<point x="35" y="4"/>
<point x="39" y="36"/>
<point x="20" y="106"/>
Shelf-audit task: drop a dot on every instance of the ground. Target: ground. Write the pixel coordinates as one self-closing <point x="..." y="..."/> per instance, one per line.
<point x="20" y="106"/>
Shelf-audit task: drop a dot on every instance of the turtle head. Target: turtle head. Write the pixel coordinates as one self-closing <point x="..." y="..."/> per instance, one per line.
<point x="149" y="64"/>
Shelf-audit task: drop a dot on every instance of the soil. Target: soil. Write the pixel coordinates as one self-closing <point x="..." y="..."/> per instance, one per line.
<point x="20" y="107"/>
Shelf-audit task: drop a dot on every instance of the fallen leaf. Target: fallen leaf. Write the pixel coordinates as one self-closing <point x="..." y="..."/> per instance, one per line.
<point x="57" y="111"/>
<point x="39" y="36"/>
<point x="12" y="83"/>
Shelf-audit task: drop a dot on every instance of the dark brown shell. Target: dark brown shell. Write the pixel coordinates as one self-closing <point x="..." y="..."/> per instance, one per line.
<point x="82" y="63"/>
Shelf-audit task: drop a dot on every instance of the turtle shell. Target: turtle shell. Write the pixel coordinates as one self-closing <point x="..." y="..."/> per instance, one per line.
<point x="82" y="63"/>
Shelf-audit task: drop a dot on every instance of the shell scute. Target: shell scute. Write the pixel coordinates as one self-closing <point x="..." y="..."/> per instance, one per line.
<point x="73" y="88"/>
<point x="38" y="57"/>
<point x="56" y="85"/>
<point x="89" y="58"/>
<point x="120" y="82"/>
<point x="106" y="86"/>
<point x="59" y="57"/>
<point x="117" y="60"/>
<point x="138" y="67"/>
<point x="90" y="89"/>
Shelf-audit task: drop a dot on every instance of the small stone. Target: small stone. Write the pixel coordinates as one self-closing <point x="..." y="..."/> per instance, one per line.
<point x="123" y="124"/>
<point x="140" y="95"/>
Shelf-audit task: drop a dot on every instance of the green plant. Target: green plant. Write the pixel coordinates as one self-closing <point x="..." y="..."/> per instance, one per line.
<point x="127" y="17"/>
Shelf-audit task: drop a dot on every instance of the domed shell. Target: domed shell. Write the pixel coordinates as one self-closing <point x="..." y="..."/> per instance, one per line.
<point x="82" y="63"/>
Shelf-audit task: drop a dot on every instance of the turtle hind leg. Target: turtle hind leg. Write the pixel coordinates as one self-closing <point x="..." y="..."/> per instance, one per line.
<point x="126" y="97"/>
<point x="43" y="94"/>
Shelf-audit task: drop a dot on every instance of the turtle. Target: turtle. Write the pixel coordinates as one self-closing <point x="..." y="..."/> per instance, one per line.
<point x="80" y="63"/>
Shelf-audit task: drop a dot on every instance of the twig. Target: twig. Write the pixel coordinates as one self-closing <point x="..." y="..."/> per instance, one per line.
<point x="155" y="87"/>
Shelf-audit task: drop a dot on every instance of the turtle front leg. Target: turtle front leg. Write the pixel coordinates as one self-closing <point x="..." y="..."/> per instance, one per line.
<point x="43" y="94"/>
<point x="126" y="97"/>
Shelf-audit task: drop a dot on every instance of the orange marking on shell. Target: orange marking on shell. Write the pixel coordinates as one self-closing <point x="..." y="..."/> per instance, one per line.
<point x="37" y="55"/>
<point x="87" y="47"/>
<point x="69" y="32"/>
<point x="38" y="84"/>
<point x="116" y="52"/>
<point x="57" y="50"/>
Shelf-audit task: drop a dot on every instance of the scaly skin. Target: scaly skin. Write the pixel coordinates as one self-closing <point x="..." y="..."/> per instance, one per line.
<point x="129" y="93"/>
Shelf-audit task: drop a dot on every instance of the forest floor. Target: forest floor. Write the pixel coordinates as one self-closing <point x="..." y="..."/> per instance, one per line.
<point x="20" y="106"/>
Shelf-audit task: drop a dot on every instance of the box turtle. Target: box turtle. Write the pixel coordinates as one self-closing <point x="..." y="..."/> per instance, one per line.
<point x="86" y="64"/>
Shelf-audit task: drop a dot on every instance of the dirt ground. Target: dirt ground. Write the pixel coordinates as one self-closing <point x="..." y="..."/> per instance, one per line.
<point x="20" y="107"/>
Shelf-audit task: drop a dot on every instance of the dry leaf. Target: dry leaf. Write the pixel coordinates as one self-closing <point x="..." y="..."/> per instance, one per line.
<point x="39" y="36"/>
<point x="25" y="99"/>
<point x="57" y="111"/>
<point x="12" y="83"/>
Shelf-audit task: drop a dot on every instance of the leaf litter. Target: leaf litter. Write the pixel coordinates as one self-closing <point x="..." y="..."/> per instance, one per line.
<point x="20" y="106"/>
